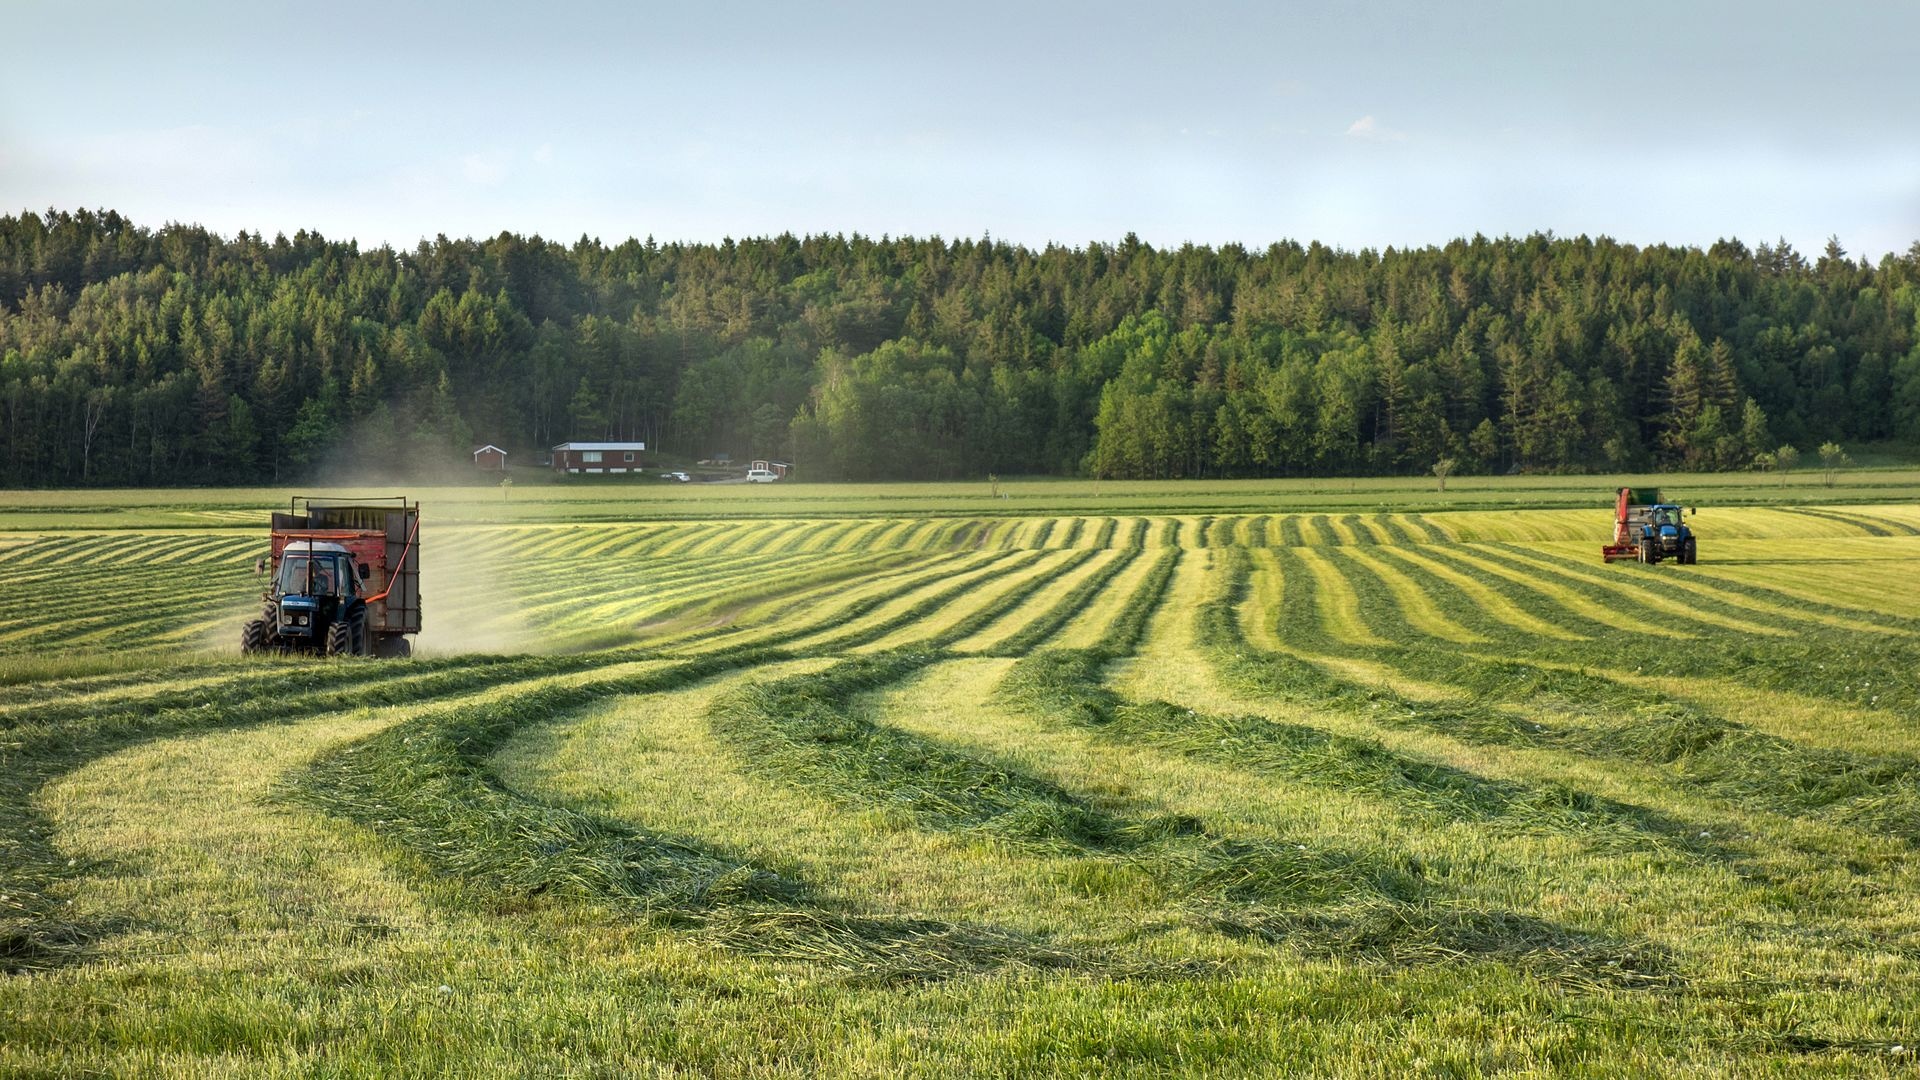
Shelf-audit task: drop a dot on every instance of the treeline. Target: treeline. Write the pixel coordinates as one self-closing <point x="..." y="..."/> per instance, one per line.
<point x="137" y="356"/>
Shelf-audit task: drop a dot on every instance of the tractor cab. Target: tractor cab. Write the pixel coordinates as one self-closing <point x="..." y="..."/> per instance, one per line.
<point x="1665" y="535"/>
<point x="317" y="587"/>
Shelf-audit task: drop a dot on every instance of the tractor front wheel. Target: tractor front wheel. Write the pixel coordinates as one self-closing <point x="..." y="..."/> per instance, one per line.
<point x="1687" y="554"/>
<point x="339" y="639"/>
<point x="253" y="637"/>
<point x="1647" y="554"/>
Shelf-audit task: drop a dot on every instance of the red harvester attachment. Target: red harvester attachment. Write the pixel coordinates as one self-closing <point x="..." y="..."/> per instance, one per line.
<point x="1630" y="512"/>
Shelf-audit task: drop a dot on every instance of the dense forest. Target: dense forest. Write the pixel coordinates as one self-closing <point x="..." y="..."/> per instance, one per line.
<point x="172" y="356"/>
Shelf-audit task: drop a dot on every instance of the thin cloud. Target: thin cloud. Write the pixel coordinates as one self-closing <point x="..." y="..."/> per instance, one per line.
<point x="1372" y="130"/>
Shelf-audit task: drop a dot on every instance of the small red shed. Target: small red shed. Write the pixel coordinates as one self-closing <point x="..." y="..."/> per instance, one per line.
<point x="490" y="458"/>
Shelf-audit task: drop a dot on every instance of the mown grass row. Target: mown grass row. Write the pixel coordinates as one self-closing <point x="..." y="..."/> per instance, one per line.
<point x="38" y="746"/>
<point x="425" y="788"/>
<point x="812" y="732"/>
<point x="1860" y="669"/>
<point x="1517" y="703"/>
<point x="1857" y="669"/>
<point x="1050" y="622"/>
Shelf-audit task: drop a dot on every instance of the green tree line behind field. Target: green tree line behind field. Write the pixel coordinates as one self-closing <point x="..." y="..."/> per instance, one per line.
<point x="140" y="356"/>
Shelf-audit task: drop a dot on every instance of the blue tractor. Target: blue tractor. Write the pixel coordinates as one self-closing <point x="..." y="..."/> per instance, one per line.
<point x="315" y="604"/>
<point x="1648" y="529"/>
<point x="1666" y="536"/>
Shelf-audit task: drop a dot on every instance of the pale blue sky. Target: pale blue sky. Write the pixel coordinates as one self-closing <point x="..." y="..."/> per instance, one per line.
<point x="1398" y="122"/>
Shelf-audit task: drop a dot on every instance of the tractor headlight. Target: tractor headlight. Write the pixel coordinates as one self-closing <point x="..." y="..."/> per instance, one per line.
<point x="299" y="620"/>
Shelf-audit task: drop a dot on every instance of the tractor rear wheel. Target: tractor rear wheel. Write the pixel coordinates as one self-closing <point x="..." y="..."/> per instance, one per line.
<point x="253" y="637"/>
<point x="339" y="639"/>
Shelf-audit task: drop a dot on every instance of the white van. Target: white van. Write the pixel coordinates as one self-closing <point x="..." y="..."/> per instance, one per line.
<point x="761" y="476"/>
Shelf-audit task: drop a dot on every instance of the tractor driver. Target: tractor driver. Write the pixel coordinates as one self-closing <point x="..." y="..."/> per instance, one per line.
<point x="323" y="577"/>
<point x="1662" y="517"/>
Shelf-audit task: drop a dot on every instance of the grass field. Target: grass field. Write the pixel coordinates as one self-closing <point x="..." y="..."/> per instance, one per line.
<point x="1228" y="779"/>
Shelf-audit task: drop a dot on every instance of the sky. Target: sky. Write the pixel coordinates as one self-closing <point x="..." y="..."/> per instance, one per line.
<point x="1399" y="122"/>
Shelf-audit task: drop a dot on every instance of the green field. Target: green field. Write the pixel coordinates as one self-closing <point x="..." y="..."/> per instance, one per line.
<point x="1073" y="779"/>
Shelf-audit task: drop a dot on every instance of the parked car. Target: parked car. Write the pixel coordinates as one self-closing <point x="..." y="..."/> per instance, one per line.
<point x="761" y="476"/>
<point x="680" y="476"/>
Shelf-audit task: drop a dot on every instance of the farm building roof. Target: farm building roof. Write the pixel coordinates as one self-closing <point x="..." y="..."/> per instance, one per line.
<point x="601" y="446"/>
<point x="486" y="448"/>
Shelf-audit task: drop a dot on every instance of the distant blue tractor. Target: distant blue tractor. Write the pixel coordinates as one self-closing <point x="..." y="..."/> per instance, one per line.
<point x="1648" y="529"/>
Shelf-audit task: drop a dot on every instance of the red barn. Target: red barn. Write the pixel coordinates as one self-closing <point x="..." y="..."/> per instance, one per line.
<point x="598" y="457"/>
<point x="490" y="458"/>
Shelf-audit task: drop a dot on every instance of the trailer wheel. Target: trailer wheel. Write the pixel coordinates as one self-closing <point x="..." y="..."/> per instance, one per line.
<point x="253" y="637"/>
<point x="339" y="639"/>
<point x="392" y="647"/>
